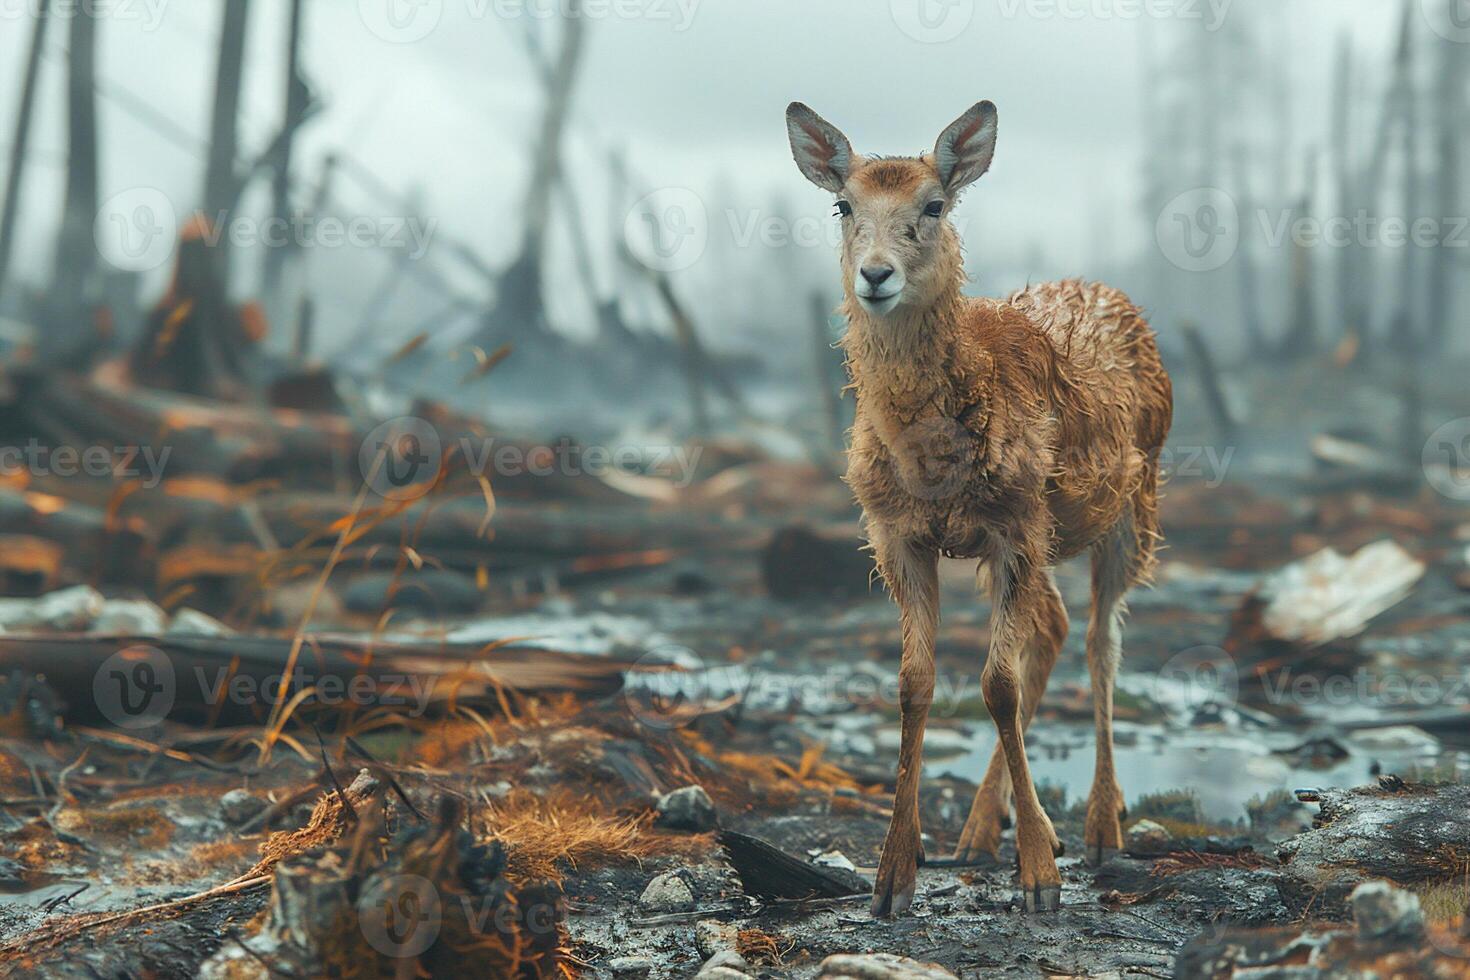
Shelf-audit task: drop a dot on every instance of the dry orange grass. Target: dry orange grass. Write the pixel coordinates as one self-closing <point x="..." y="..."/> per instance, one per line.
<point x="543" y="836"/>
<point x="769" y="779"/>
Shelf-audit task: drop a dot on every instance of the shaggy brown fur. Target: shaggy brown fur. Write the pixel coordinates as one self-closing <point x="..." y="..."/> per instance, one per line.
<point x="1021" y="433"/>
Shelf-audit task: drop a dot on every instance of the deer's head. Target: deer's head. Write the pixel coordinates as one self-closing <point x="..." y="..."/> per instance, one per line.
<point x="899" y="250"/>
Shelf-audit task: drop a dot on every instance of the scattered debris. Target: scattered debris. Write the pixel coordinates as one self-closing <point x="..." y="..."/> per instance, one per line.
<point x="769" y="872"/>
<point x="687" y="808"/>
<point x="1327" y="597"/>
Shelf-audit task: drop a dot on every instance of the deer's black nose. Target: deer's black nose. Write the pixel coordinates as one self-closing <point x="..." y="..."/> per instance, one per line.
<point x="877" y="274"/>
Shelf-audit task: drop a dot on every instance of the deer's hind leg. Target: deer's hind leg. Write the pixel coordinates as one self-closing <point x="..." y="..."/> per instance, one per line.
<point x="990" y="813"/>
<point x="1122" y="559"/>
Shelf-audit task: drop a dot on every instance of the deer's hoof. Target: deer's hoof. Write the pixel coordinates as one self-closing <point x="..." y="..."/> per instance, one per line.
<point x="1043" y="898"/>
<point x="1098" y="855"/>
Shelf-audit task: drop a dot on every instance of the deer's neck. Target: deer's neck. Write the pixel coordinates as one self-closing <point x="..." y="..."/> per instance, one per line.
<point x="902" y="361"/>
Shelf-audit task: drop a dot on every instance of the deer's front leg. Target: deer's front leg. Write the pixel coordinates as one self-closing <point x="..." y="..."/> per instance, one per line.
<point x="1019" y="599"/>
<point x="912" y="574"/>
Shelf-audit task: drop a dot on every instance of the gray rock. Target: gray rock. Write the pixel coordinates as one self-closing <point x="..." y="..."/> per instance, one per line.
<point x="1147" y="837"/>
<point x="666" y="893"/>
<point x="1366" y="835"/>
<point x="879" y="966"/>
<point x="239" y="805"/>
<point x="712" y="937"/>
<point x="629" y="966"/>
<point x="1381" y="911"/>
<point x="688" y="808"/>
<point x="727" y="965"/>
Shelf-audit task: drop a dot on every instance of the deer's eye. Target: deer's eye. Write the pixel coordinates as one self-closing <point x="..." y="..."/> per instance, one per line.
<point x="934" y="209"/>
<point x="844" y="209"/>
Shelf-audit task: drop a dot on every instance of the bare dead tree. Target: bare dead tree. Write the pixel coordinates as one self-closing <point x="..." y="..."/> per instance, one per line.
<point x="1400" y="92"/>
<point x="1452" y="118"/>
<point x="1345" y="176"/>
<point x="1250" y="291"/>
<point x="519" y="309"/>
<point x="76" y="253"/>
<point x="298" y="99"/>
<point x="220" y="179"/>
<point x="21" y="140"/>
<point x="1301" y="335"/>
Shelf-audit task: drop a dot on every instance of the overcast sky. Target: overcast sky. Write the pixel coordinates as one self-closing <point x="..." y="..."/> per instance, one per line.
<point x="440" y="98"/>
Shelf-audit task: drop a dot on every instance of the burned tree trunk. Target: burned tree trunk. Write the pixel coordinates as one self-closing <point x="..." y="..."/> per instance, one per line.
<point x="1301" y="337"/>
<point x="1400" y="91"/>
<point x="1453" y="114"/>
<point x="21" y="140"/>
<point x="74" y="279"/>
<point x="1347" y="195"/>
<point x="519" y="309"/>
<point x="220" y="179"/>
<point x="1250" y="292"/>
<point x="298" y="98"/>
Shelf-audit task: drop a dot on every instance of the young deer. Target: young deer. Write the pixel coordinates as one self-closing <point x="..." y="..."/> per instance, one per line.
<point x="1021" y="433"/>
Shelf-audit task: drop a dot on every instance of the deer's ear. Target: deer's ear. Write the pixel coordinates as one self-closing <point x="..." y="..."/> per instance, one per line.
<point x="820" y="149"/>
<point x="964" y="150"/>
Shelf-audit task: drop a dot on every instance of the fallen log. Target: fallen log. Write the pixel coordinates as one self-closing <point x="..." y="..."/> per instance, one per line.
<point x="140" y="681"/>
